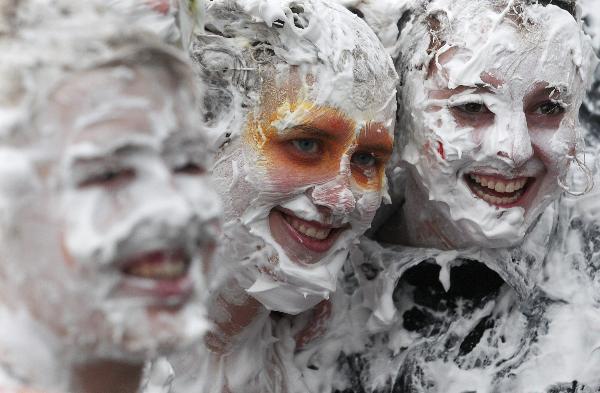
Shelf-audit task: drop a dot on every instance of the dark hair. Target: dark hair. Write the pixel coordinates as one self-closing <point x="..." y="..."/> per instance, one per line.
<point x="568" y="5"/>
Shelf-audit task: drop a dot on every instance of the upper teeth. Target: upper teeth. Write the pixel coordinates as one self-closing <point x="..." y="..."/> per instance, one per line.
<point x="165" y="270"/>
<point x="308" y="230"/>
<point x="498" y="184"/>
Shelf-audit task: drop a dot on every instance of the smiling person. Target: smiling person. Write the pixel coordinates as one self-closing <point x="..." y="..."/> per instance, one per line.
<point x="487" y="139"/>
<point x="108" y="221"/>
<point x="300" y="97"/>
<point x="491" y="124"/>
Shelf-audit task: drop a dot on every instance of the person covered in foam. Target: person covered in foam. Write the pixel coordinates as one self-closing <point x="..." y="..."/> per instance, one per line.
<point x="300" y="99"/>
<point x="108" y="222"/>
<point x="488" y="139"/>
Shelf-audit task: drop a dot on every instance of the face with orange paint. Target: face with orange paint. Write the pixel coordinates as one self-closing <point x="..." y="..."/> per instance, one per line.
<point x="316" y="170"/>
<point x="490" y="134"/>
<point x="120" y="224"/>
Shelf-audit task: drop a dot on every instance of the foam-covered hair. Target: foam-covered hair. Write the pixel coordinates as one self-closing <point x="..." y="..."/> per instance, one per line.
<point x="47" y="41"/>
<point x="242" y="38"/>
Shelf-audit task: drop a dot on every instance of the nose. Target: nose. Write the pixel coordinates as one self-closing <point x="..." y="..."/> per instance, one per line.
<point x="335" y="195"/>
<point x="168" y="203"/>
<point x="510" y="140"/>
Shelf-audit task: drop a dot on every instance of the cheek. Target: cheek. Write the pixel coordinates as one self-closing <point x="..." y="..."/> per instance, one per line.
<point x="367" y="204"/>
<point x="552" y="155"/>
<point x="110" y="208"/>
<point x="66" y="254"/>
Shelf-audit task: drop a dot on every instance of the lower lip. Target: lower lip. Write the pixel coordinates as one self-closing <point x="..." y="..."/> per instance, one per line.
<point x="517" y="203"/>
<point x="278" y="221"/>
<point x="167" y="292"/>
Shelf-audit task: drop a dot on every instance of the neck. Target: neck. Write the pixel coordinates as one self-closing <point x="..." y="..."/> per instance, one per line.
<point x="417" y="223"/>
<point x="34" y="357"/>
<point x="101" y="376"/>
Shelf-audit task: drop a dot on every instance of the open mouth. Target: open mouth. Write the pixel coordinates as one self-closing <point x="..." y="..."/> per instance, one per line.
<point x="298" y="236"/>
<point x="160" y="274"/>
<point x="158" y="265"/>
<point x="499" y="191"/>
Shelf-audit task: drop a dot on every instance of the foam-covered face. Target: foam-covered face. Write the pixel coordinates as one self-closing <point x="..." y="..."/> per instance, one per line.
<point x="118" y="235"/>
<point x="492" y="125"/>
<point x="309" y="176"/>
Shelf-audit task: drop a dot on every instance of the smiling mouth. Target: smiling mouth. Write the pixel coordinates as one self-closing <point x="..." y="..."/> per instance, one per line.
<point x="158" y="265"/>
<point x="499" y="191"/>
<point x="303" y="240"/>
<point x="162" y="275"/>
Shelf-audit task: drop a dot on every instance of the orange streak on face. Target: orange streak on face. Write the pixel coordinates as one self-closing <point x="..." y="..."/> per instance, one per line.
<point x="376" y="140"/>
<point x="327" y="129"/>
<point x="311" y="149"/>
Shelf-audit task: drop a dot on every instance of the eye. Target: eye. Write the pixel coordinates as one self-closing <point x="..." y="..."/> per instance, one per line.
<point x="308" y="146"/>
<point x="364" y="159"/>
<point x="550" y="108"/>
<point x="472" y="107"/>
<point x="108" y="178"/>
<point x="189" y="168"/>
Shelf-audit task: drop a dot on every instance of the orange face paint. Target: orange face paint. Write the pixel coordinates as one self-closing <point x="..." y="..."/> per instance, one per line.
<point x="376" y="140"/>
<point x="311" y="151"/>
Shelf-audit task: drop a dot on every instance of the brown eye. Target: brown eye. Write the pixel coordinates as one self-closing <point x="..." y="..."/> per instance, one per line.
<point x="108" y="178"/>
<point x="550" y="108"/>
<point x="472" y="107"/>
<point x="189" y="168"/>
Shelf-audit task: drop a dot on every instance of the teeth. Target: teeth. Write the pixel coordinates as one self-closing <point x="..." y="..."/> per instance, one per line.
<point x="505" y="186"/>
<point x="310" y="231"/>
<point x="165" y="270"/>
<point x="493" y="200"/>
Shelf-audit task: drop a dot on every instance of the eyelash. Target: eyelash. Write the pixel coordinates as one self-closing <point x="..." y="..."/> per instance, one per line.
<point x="373" y="163"/>
<point x="190" y="168"/>
<point x="555" y="106"/>
<point x="296" y="143"/>
<point x="109" y="177"/>
<point x="461" y="104"/>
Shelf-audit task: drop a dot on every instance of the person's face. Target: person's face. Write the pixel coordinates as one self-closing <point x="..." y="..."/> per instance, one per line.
<point x="126" y="222"/>
<point x="316" y="175"/>
<point x="491" y="134"/>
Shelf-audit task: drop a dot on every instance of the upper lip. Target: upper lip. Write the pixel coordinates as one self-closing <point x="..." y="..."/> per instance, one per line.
<point x="327" y="224"/>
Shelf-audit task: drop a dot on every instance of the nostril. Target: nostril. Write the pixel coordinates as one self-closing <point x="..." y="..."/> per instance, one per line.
<point x="503" y="154"/>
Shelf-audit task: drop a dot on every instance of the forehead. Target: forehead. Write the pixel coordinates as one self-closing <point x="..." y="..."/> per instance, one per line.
<point x="300" y="94"/>
<point x="105" y="104"/>
<point x="547" y="47"/>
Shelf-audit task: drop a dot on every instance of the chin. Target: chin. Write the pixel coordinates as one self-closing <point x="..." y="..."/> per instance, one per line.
<point x="135" y="335"/>
<point x="305" y="241"/>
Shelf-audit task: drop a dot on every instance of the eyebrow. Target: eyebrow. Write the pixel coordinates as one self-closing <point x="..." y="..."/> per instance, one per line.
<point x="376" y="138"/>
<point x="105" y="152"/>
<point x="446" y="93"/>
<point x="309" y="130"/>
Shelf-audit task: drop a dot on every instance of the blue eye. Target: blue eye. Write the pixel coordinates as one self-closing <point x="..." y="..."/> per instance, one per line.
<point x="306" y="145"/>
<point x="363" y="159"/>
